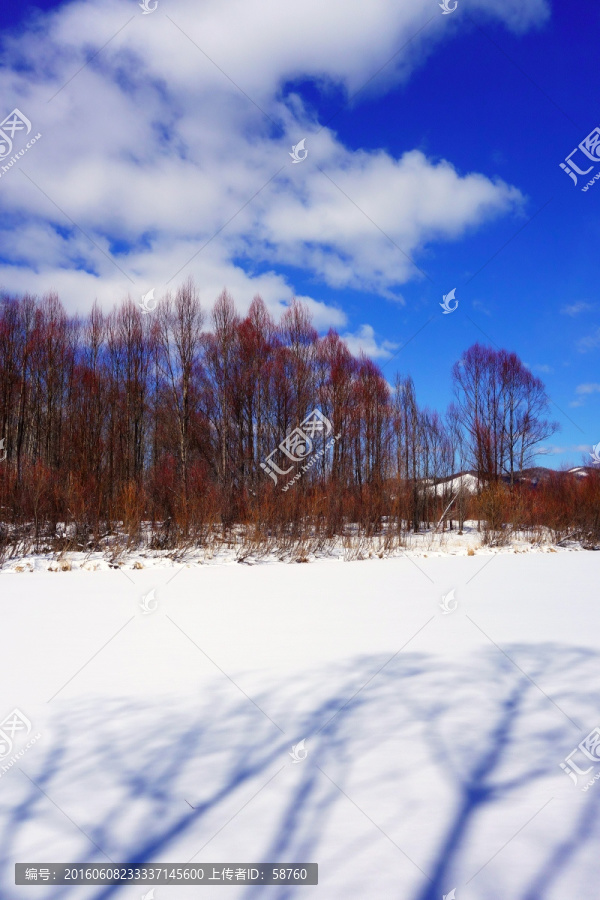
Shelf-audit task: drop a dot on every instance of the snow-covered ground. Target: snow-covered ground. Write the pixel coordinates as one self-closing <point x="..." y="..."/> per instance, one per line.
<point x="168" y="700"/>
<point x="219" y="551"/>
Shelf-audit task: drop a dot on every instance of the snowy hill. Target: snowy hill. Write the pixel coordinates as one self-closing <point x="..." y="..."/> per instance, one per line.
<point x="465" y="481"/>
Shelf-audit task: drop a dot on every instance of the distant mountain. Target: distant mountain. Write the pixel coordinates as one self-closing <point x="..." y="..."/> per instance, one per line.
<point x="541" y="473"/>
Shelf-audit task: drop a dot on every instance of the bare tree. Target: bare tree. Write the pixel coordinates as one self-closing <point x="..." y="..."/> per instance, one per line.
<point x="179" y="330"/>
<point x="502" y="409"/>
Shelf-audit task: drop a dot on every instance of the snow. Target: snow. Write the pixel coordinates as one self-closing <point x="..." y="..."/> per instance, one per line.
<point x="434" y="740"/>
<point x="219" y="552"/>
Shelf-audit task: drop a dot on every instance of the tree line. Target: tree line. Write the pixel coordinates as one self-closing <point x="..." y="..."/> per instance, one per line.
<point x="175" y="422"/>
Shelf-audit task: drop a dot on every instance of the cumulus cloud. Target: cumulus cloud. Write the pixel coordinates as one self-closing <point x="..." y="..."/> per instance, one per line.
<point x="167" y="153"/>
<point x="365" y="341"/>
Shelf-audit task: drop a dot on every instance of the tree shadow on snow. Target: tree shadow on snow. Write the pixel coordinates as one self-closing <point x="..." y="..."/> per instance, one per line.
<point x="484" y="727"/>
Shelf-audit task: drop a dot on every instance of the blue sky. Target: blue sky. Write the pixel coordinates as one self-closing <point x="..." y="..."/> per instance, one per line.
<point x="449" y="156"/>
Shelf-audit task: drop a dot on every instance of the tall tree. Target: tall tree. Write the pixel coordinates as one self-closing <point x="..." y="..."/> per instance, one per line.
<point x="502" y="408"/>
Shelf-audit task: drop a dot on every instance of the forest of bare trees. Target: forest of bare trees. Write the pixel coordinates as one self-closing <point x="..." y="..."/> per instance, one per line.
<point x="161" y="428"/>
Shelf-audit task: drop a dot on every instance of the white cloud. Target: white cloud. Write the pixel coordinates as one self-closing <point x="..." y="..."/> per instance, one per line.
<point x="364" y="340"/>
<point x="542" y="368"/>
<point x="155" y="153"/>
<point x="584" y="390"/>
<point x="574" y="309"/>
<point x="589" y="342"/>
<point x="553" y="450"/>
